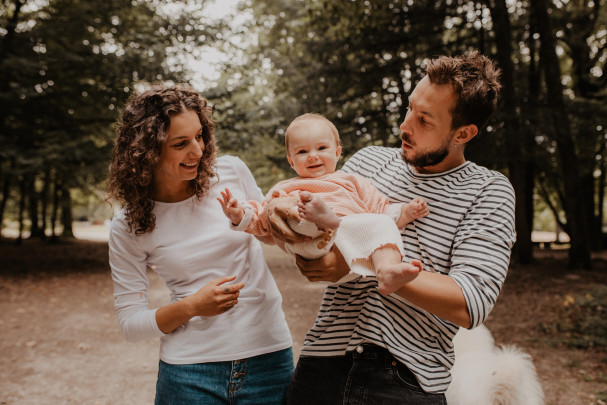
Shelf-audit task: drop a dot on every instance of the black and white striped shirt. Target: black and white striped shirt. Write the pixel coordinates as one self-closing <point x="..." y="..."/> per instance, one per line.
<point x="468" y="235"/>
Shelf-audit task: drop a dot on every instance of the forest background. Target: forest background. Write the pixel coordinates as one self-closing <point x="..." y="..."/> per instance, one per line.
<point x="67" y="67"/>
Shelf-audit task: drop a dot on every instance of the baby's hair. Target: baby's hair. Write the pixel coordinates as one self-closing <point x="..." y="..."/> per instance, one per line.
<point x="308" y="117"/>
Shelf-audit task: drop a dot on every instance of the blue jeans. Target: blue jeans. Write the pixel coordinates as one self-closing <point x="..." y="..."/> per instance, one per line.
<point x="257" y="380"/>
<point x="370" y="376"/>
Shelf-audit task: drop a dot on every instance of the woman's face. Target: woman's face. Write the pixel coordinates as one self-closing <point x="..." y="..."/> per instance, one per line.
<point x="180" y="156"/>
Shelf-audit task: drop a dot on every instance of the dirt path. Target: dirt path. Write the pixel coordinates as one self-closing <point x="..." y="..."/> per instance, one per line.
<point x="61" y="343"/>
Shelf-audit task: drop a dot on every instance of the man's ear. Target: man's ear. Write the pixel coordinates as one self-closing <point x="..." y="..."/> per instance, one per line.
<point x="466" y="133"/>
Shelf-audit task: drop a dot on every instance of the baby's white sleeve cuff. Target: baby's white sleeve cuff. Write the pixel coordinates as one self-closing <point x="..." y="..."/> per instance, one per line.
<point x="394" y="210"/>
<point x="246" y="218"/>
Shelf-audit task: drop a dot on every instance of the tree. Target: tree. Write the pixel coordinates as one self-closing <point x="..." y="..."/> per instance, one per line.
<point x="572" y="171"/>
<point x="580" y="22"/>
<point x="517" y="147"/>
<point x="65" y="73"/>
<point x="356" y="62"/>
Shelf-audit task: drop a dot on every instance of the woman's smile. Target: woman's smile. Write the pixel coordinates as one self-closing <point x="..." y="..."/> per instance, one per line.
<point x="190" y="165"/>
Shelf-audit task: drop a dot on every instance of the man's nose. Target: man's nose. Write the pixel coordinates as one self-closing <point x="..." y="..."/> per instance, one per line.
<point x="404" y="125"/>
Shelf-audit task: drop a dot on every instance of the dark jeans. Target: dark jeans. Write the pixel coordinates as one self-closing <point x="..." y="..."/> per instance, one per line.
<point x="369" y="375"/>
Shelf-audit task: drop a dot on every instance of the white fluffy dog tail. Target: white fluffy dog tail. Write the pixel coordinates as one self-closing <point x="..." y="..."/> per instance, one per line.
<point x="515" y="379"/>
<point x="484" y="374"/>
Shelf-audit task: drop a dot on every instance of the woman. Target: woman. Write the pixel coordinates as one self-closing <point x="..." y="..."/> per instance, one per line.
<point x="223" y="337"/>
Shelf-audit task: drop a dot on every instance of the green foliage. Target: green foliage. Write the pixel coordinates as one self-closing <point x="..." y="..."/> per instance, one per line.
<point x="357" y="61"/>
<point x="583" y="319"/>
<point x="354" y="62"/>
<point x="68" y="66"/>
<point x="351" y="61"/>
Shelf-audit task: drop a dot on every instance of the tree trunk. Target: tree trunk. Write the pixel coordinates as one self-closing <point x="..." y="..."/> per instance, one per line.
<point x="582" y="24"/>
<point x="66" y="213"/>
<point x="588" y="184"/>
<point x="6" y="46"/>
<point x="6" y="188"/>
<point x="515" y="141"/>
<point x="44" y="201"/>
<point x="55" y="209"/>
<point x="22" y="191"/>
<point x="529" y="113"/>
<point x="32" y="206"/>
<point x="579" y="253"/>
<point x="602" y="182"/>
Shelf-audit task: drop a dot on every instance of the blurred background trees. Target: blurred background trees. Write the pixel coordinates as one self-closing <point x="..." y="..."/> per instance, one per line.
<point x="66" y="68"/>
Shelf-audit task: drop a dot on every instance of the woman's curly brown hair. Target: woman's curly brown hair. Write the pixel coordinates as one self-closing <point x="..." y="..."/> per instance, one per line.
<point x="140" y="135"/>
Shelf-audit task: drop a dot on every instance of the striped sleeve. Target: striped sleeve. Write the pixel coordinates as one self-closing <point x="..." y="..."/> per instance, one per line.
<point x="481" y="247"/>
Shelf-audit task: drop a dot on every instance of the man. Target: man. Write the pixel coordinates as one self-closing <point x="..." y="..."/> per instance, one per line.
<point x="369" y="348"/>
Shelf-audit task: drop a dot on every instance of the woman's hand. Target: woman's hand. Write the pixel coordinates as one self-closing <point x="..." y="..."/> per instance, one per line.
<point x="215" y="298"/>
<point x="212" y="299"/>
<point x="331" y="267"/>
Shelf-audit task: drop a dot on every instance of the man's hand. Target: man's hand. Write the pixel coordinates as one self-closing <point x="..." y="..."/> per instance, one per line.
<point x="279" y="209"/>
<point x="331" y="267"/>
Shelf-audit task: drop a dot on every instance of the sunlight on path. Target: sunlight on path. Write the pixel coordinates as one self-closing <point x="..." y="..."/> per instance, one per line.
<point x="82" y="230"/>
<point x="86" y="231"/>
<point x="101" y="232"/>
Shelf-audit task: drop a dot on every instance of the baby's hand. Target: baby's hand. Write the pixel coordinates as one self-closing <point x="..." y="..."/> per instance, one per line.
<point x="231" y="207"/>
<point x="417" y="208"/>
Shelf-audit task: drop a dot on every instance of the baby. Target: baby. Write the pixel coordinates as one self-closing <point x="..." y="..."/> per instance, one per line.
<point x="334" y="207"/>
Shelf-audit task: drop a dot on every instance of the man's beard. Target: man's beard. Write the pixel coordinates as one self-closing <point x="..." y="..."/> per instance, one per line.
<point x="426" y="159"/>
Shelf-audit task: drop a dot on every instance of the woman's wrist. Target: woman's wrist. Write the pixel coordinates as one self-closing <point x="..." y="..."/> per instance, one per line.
<point x="187" y="308"/>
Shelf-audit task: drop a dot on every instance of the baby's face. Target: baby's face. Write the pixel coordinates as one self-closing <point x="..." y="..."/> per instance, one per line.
<point x="313" y="150"/>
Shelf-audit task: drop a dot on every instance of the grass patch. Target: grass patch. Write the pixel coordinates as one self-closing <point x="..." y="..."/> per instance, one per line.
<point x="601" y="396"/>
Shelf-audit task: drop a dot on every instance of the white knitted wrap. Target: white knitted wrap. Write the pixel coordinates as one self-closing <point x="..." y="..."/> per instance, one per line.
<point x="308" y="250"/>
<point x="357" y="237"/>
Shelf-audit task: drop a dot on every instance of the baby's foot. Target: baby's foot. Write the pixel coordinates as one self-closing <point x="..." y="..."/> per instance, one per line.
<point x="314" y="209"/>
<point x="392" y="277"/>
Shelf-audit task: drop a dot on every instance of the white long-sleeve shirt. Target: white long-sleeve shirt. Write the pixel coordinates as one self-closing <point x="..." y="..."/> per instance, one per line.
<point x="191" y="245"/>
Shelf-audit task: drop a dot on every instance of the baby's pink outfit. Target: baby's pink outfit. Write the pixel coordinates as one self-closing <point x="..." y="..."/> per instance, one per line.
<point x="368" y="218"/>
